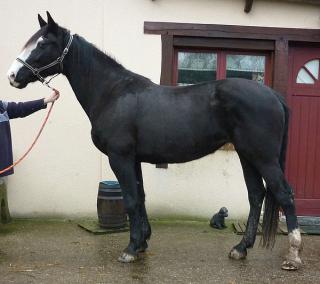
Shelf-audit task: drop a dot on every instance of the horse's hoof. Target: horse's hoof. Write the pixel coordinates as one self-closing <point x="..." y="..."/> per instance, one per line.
<point x="291" y="264"/>
<point x="235" y="254"/>
<point x="126" y="257"/>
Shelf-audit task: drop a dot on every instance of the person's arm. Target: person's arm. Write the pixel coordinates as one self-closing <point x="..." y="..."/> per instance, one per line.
<point x="21" y="109"/>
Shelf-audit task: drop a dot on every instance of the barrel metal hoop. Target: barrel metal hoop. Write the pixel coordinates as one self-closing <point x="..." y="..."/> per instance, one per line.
<point x="110" y="198"/>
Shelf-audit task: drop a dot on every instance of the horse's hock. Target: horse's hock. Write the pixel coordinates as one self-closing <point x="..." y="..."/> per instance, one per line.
<point x="4" y="209"/>
<point x="110" y="207"/>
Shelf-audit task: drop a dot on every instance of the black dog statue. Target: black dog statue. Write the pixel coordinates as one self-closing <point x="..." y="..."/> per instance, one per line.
<point x="217" y="221"/>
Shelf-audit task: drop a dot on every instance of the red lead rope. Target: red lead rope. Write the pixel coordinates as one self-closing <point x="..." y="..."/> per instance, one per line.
<point x="32" y="145"/>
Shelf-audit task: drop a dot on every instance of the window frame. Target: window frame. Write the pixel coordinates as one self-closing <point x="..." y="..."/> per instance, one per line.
<point x="235" y="36"/>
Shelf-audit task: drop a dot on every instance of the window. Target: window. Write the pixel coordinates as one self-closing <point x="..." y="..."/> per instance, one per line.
<point x="194" y="66"/>
<point x="250" y="67"/>
<point x="308" y="73"/>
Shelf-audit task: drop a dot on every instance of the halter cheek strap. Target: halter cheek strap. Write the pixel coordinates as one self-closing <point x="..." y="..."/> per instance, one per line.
<point x="59" y="60"/>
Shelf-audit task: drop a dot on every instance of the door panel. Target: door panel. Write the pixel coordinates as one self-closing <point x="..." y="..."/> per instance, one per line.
<point x="303" y="163"/>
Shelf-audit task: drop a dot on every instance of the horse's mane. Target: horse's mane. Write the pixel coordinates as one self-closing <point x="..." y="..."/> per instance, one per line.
<point x="94" y="50"/>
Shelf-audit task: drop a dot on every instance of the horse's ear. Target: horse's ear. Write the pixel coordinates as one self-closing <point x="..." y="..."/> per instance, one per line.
<point x="52" y="26"/>
<point x="42" y="22"/>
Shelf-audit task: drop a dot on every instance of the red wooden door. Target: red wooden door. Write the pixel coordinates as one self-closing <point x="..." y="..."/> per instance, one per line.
<point x="303" y="163"/>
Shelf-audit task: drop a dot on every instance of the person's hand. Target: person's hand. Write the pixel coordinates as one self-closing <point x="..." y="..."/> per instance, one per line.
<point x="54" y="96"/>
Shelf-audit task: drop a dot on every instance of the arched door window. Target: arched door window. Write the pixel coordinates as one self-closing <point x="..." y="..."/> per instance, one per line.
<point x="308" y="73"/>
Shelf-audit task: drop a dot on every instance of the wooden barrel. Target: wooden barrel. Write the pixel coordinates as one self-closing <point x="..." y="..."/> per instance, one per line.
<point x="111" y="212"/>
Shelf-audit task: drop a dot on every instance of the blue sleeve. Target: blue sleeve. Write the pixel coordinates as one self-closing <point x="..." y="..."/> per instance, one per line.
<point x="15" y="110"/>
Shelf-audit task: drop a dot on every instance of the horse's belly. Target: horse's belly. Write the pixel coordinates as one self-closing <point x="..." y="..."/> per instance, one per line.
<point x="178" y="150"/>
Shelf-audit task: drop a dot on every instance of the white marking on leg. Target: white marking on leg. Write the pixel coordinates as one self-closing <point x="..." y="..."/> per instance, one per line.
<point x="293" y="260"/>
<point x="16" y="65"/>
<point x="126" y="257"/>
<point x="295" y="238"/>
<point x="235" y="254"/>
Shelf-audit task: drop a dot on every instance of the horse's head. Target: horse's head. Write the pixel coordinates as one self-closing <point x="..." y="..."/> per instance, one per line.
<point x="43" y="48"/>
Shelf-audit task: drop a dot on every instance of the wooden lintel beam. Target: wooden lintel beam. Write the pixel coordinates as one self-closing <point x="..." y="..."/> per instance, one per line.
<point x="248" y="6"/>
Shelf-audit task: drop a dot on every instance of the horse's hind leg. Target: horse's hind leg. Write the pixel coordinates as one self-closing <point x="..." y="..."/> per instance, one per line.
<point x="256" y="193"/>
<point x="146" y="228"/>
<point x="283" y="194"/>
<point x="125" y="171"/>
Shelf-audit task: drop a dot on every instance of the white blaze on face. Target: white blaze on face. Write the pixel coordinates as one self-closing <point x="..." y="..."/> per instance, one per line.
<point x="16" y="65"/>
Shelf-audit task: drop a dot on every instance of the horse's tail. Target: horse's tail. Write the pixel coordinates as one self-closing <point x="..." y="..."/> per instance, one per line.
<point x="271" y="206"/>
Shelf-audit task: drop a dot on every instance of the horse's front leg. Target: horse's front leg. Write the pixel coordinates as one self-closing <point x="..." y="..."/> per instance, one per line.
<point x="123" y="167"/>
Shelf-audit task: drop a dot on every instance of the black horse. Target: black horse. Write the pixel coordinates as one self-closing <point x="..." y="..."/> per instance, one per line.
<point x="134" y="120"/>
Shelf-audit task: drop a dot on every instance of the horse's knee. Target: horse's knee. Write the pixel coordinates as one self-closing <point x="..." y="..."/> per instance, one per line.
<point x="131" y="205"/>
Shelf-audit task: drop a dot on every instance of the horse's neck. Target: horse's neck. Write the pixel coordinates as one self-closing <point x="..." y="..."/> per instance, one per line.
<point x="87" y="69"/>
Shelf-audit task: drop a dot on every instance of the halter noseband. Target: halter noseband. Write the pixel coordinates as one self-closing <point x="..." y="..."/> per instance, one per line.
<point x="59" y="60"/>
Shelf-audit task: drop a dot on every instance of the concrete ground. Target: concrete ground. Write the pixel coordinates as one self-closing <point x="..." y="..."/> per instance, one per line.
<point x="57" y="251"/>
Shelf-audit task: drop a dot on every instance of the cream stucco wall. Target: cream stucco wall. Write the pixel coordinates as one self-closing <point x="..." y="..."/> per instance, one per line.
<point x="61" y="175"/>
